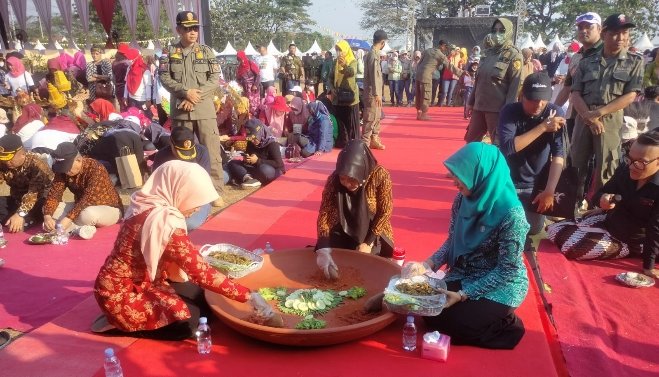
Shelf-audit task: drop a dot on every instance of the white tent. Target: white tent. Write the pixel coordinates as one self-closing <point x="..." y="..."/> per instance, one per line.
<point x="644" y="43"/>
<point x="556" y="41"/>
<point x="150" y="45"/>
<point x="39" y="46"/>
<point x="539" y="43"/>
<point x="250" y="51"/>
<point x="58" y="46"/>
<point x="386" y="47"/>
<point x="526" y="41"/>
<point x="314" y="48"/>
<point x="229" y="50"/>
<point x="215" y="53"/>
<point x="272" y="50"/>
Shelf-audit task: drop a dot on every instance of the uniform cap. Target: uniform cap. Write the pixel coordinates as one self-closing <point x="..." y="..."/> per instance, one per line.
<point x="537" y="87"/>
<point x="9" y="145"/>
<point x="616" y="22"/>
<point x="183" y="141"/>
<point x="187" y="18"/>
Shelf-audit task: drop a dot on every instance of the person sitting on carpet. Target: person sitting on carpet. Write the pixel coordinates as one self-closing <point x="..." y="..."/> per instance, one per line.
<point x="262" y="161"/>
<point x="486" y="276"/>
<point x="630" y="221"/>
<point x="184" y="148"/>
<point x="356" y="206"/>
<point x="154" y="256"/>
<point x="96" y="201"/>
<point x="28" y="178"/>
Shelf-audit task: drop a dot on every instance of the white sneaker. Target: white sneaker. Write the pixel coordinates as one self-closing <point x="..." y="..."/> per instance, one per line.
<point x="2" y="262"/>
<point x="86" y="232"/>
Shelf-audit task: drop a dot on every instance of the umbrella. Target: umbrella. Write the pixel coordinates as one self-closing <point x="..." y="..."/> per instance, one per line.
<point x="356" y="44"/>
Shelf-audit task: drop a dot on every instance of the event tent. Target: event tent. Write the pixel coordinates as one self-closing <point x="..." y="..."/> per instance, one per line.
<point x="39" y="46"/>
<point x="229" y="50"/>
<point x="250" y="50"/>
<point x="386" y="47"/>
<point x="644" y="43"/>
<point x="272" y="50"/>
<point x="539" y="43"/>
<point x="526" y="41"/>
<point x="555" y="41"/>
<point x="314" y="48"/>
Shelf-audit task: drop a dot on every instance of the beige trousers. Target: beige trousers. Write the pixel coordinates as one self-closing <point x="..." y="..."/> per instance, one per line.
<point x="98" y="216"/>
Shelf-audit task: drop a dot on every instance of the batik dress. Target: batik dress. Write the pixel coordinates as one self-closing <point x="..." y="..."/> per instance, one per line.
<point x="128" y="297"/>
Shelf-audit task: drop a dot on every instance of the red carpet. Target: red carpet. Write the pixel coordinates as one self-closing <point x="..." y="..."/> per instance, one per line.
<point x="42" y="282"/>
<point x="604" y="328"/>
<point x="284" y="213"/>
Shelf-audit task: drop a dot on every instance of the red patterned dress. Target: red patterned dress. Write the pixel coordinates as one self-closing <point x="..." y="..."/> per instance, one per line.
<point x="128" y="297"/>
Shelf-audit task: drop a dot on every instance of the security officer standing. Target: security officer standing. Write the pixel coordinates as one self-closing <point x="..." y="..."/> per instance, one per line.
<point x="604" y="84"/>
<point x="497" y="82"/>
<point x="373" y="92"/>
<point x="191" y="74"/>
<point x="431" y="59"/>
<point x="292" y="69"/>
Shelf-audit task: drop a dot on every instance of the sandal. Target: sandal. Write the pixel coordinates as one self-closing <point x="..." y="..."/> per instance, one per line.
<point x="101" y="325"/>
<point x="5" y="339"/>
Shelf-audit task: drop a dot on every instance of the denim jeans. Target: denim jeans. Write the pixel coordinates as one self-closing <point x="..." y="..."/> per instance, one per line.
<point x="198" y="218"/>
<point x="408" y="92"/>
<point x="535" y="220"/>
<point x="468" y="90"/>
<point x="447" y="91"/>
<point x="393" y="91"/>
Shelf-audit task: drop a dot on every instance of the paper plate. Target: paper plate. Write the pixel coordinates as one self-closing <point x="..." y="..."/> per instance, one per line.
<point x="635" y="280"/>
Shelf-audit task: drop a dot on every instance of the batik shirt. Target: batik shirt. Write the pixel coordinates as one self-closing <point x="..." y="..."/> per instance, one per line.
<point x="27" y="183"/>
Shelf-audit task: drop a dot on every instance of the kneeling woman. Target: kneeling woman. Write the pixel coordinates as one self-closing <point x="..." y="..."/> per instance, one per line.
<point x="355" y="211"/>
<point x="486" y="276"/>
<point x="149" y="285"/>
<point x="262" y="162"/>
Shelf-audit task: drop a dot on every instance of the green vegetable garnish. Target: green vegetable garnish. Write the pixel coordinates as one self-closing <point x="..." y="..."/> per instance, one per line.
<point x="356" y="292"/>
<point x="311" y="324"/>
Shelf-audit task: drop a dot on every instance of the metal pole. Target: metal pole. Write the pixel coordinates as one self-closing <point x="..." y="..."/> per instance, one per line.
<point x="206" y="22"/>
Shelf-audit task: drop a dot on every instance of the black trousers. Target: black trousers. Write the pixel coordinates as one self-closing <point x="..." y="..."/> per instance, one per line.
<point x="347" y="118"/>
<point x="9" y="206"/>
<point x="481" y="323"/>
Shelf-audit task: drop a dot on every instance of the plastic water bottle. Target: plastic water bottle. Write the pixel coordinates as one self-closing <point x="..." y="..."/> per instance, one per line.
<point x="268" y="248"/>
<point x="112" y="365"/>
<point x="204" y="341"/>
<point x="3" y="240"/>
<point x="409" y="334"/>
<point x="62" y="237"/>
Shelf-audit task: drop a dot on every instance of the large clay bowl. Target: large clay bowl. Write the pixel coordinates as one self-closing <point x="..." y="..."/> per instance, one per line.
<point x="295" y="269"/>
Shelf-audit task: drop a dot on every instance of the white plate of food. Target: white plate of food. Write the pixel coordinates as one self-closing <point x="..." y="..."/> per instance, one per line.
<point x="634" y="279"/>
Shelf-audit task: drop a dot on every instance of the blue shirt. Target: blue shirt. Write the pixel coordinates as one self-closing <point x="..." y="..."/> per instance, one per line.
<point x="526" y="165"/>
<point x="495" y="270"/>
<point x="166" y="154"/>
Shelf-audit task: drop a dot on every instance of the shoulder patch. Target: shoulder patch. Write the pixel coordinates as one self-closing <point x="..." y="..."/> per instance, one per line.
<point x="517" y="65"/>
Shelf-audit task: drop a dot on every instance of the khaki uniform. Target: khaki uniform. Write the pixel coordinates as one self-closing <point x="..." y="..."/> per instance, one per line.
<point x="497" y="84"/>
<point x="293" y="71"/>
<point x="195" y="67"/>
<point x="431" y="59"/>
<point x="600" y="81"/>
<point x="373" y="84"/>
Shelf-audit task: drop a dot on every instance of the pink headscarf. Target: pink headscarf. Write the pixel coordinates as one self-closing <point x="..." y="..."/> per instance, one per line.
<point x="65" y="60"/>
<point x="79" y="60"/>
<point x="270" y="94"/>
<point x="176" y="186"/>
<point x="17" y="67"/>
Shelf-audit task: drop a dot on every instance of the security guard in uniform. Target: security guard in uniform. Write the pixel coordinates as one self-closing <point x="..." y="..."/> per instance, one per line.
<point x="191" y="74"/>
<point x="292" y="69"/>
<point x="497" y="82"/>
<point x="604" y="84"/>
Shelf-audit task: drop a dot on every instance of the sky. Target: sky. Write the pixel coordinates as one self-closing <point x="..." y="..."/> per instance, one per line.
<point x="338" y="16"/>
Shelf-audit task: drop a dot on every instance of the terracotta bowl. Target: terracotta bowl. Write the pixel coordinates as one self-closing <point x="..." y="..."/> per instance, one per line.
<point x="296" y="269"/>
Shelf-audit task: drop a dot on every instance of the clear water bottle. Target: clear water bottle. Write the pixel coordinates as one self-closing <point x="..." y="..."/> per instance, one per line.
<point x="268" y="248"/>
<point x="3" y="240"/>
<point x="204" y="341"/>
<point x="409" y="334"/>
<point x="111" y="365"/>
<point x="62" y="237"/>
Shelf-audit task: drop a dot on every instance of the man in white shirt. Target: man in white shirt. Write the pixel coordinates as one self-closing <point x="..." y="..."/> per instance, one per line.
<point x="268" y="66"/>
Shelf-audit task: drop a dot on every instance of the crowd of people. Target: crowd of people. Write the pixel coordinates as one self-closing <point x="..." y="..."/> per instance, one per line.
<point x="191" y="133"/>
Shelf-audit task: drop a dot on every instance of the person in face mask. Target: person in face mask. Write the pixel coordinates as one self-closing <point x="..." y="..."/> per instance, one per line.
<point x="497" y="82"/>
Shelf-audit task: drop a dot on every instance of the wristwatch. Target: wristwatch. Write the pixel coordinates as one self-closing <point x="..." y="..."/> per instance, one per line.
<point x="463" y="295"/>
<point x="22" y="213"/>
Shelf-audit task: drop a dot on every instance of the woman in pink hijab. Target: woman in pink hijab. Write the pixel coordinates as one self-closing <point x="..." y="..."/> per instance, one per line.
<point x="150" y="284"/>
<point x="18" y="78"/>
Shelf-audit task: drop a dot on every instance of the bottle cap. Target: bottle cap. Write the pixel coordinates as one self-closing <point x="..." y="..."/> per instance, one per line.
<point x="203" y="320"/>
<point x="399" y="253"/>
<point x="410" y="319"/>
<point x="109" y="352"/>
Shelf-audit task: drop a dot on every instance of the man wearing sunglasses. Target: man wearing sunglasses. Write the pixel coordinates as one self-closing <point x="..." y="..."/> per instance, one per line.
<point x="191" y="74"/>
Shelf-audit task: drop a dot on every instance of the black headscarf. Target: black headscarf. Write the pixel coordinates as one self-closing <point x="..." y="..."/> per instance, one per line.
<point x="355" y="161"/>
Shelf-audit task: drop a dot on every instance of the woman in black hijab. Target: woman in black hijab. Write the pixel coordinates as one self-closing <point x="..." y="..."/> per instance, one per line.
<point x="355" y="211"/>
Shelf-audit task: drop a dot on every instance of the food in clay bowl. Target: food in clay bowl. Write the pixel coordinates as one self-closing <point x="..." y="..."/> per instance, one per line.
<point x="299" y="291"/>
